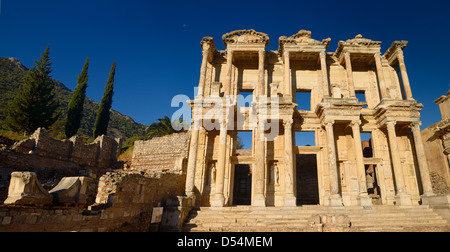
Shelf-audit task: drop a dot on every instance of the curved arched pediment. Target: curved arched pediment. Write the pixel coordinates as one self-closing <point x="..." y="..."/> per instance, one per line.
<point x="246" y="37"/>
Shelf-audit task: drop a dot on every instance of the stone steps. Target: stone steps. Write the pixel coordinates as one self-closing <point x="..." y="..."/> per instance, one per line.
<point x="278" y="219"/>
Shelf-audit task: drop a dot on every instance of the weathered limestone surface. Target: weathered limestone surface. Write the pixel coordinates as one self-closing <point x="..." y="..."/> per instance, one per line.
<point x="356" y="89"/>
<point x="436" y="140"/>
<point x="161" y="154"/>
<point x="71" y="190"/>
<point x="25" y="189"/>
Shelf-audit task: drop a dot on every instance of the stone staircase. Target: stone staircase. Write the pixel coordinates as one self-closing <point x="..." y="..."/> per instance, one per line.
<point x="315" y="218"/>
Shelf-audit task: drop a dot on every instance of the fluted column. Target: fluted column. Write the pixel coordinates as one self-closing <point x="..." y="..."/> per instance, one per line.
<point x="401" y="63"/>
<point x="192" y="161"/>
<point x="323" y="64"/>
<point x="289" y="195"/>
<point x="335" y="197"/>
<point x="364" y="198"/>
<point x="287" y="74"/>
<point x="201" y="85"/>
<point x="261" y="79"/>
<point x="229" y="72"/>
<point x="260" y="166"/>
<point x="380" y="74"/>
<point x="218" y="199"/>
<point x="422" y="159"/>
<point x="348" y="66"/>
<point x="402" y="198"/>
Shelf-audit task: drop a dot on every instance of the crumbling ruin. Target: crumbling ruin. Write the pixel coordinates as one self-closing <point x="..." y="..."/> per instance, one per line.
<point x="393" y="180"/>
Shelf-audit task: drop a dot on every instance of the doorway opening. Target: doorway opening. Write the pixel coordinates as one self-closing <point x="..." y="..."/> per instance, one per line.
<point x="307" y="180"/>
<point x="242" y="190"/>
<point x="373" y="189"/>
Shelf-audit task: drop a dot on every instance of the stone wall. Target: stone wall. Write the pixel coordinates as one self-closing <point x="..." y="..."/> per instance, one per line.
<point x="54" y="159"/>
<point x="102" y="153"/>
<point x="166" y="154"/>
<point x="124" y="198"/>
<point x="124" y="202"/>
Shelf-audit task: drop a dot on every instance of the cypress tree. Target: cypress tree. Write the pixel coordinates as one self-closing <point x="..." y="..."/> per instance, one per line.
<point x="34" y="105"/>
<point x="103" y="113"/>
<point x="75" y="109"/>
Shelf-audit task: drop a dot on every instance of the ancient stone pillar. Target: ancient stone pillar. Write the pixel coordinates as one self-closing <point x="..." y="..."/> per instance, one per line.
<point x="348" y="66"/>
<point x="323" y="64"/>
<point x="289" y="196"/>
<point x="380" y="74"/>
<point x="192" y="161"/>
<point x="402" y="198"/>
<point x="360" y="168"/>
<point x="422" y="159"/>
<point x="287" y="75"/>
<point x="261" y="57"/>
<point x="205" y="53"/>
<point x="218" y="199"/>
<point x="335" y="198"/>
<point x="260" y="166"/>
<point x="401" y="63"/>
<point x="229" y="72"/>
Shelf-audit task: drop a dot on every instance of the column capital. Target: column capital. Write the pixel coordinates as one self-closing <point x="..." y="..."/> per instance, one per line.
<point x="415" y="124"/>
<point x="328" y="123"/>
<point x="288" y="122"/>
<point x="355" y="123"/>
<point x="391" y="123"/>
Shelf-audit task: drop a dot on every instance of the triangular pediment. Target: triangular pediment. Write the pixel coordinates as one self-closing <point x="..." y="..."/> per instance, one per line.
<point x="246" y="37"/>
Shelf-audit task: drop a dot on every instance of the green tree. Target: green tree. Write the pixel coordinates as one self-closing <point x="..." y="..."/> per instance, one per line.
<point x="34" y="105"/>
<point x="75" y="108"/>
<point x="103" y="113"/>
<point x="162" y="128"/>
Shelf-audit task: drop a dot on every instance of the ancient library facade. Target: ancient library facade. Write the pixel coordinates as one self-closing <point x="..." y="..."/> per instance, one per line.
<point x="355" y="103"/>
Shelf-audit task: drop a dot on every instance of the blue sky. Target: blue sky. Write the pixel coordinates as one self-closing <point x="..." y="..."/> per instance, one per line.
<point x="157" y="43"/>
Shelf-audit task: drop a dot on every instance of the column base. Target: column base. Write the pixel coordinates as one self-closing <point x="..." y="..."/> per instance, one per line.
<point x="218" y="200"/>
<point x="436" y="200"/>
<point x="290" y="201"/>
<point x="259" y="201"/>
<point x="364" y="200"/>
<point x="403" y="200"/>
<point x="336" y="201"/>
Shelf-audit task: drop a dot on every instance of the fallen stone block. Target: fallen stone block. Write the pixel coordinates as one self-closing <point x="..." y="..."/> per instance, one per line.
<point x="71" y="190"/>
<point x="25" y="189"/>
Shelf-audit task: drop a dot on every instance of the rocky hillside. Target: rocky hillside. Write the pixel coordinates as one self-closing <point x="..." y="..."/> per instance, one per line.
<point x="11" y="75"/>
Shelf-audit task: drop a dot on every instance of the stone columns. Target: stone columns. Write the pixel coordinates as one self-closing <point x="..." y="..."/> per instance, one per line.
<point x="335" y="198"/>
<point x="260" y="167"/>
<point x="289" y="196"/>
<point x="348" y="66"/>
<point x="422" y="159"/>
<point x="261" y="81"/>
<point x="218" y="199"/>
<point x="260" y="155"/>
<point x="364" y="198"/>
<point x="192" y="161"/>
<point x="323" y="64"/>
<point x="380" y="74"/>
<point x="287" y="75"/>
<point x="402" y="198"/>
<point x="401" y="63"/>
<point x="229" y="72"/>
<point x="201" y="85"/>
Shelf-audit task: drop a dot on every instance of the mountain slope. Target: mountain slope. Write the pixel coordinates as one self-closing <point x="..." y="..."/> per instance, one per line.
<point x="11" y="79"/>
